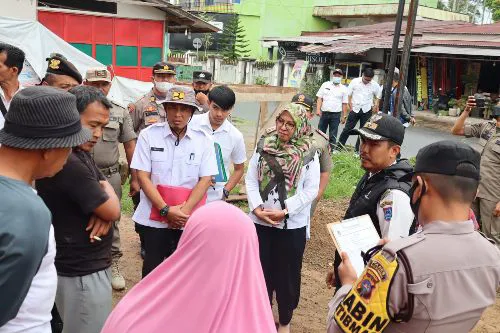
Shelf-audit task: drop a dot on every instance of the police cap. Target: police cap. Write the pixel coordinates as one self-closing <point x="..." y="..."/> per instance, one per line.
<point x="382" y="127"/>
<point x="304" y="100"/>
<point x="59" y="65"/>
<point x="163" y="67"/>
<point x="202" y="76"/>
<point x="447" y="158"/>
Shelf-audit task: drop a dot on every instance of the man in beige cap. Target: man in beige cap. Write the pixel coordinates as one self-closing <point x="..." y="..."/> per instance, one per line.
<point x="106" y="155"/>
<point x="174" y="155"/>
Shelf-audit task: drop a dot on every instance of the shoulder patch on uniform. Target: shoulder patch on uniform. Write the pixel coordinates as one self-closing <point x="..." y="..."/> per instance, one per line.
<point x="270" y="130"/>
<point x="322" y="134"/>
<point x="401" y="243"/>
<point x="387" y="213"/>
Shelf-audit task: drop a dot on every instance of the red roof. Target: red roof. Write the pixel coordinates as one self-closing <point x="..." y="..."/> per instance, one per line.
<point x="486" y="29"/>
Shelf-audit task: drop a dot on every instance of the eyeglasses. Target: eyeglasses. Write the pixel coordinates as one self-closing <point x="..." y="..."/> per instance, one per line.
<point x="288" y="126"/>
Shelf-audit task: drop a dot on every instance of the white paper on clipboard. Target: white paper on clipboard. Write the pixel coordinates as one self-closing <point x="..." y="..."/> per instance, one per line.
<point x="354" y="236"/>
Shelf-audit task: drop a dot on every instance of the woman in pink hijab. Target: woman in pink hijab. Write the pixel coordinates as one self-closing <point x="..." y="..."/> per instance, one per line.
<point x="212" y="283"/>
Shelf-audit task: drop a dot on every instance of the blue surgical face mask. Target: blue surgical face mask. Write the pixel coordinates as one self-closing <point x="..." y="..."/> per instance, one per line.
<point x="336" y="80"/>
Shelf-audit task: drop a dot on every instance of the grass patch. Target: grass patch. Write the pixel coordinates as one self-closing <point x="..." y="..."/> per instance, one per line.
<point x="345" y="175"/>
<point x="127" y="204"/>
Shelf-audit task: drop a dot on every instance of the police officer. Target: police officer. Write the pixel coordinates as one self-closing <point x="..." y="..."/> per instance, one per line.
<point x="61" y="73"/>
<point x="488" y="195"/>
<point x="178" y="157"/>
<point x="145" y="111"/>
<point x="321" y="143"/>
<point x="106" y="155"/>
<point x="202" y="83"/>
<point x="438" y="280"/>
<point x="380" y="193"/>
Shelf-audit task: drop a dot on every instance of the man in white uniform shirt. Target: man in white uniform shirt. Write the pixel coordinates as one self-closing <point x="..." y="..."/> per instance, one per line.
<point x="172" y="154"/>
<point x="361" y="91"/>
<point x="11" y="65"/>
<point x="331" y="106"/>
<point x="221" y="100"/>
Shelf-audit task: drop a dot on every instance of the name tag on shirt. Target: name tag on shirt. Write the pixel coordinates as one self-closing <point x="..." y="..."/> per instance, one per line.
<point x="157" y="149"/>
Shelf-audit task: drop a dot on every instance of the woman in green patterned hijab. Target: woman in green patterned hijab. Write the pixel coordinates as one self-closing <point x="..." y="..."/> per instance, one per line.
<point x="291" y="142"/>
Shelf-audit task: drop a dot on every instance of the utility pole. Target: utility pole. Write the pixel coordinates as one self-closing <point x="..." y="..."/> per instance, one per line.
<point x="394" y="57"/>
<point x="405" y="58"/>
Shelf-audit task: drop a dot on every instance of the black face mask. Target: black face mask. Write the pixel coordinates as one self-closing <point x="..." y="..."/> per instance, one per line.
<point x="205" y="92"/>
<point x="416" y="206"/>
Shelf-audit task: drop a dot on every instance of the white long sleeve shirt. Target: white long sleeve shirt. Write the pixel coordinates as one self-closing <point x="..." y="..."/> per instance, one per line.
<point x="298" y="205"/>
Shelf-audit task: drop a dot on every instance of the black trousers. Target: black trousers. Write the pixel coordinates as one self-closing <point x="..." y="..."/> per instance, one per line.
<point x="351" y="122"/>
<point x="159" y="244"/>
<point x="281" y="253"/>
<point x="331" y="121"/>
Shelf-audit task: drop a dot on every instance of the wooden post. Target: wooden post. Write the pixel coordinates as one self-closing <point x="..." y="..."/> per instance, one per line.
<point x="262" y="119"/>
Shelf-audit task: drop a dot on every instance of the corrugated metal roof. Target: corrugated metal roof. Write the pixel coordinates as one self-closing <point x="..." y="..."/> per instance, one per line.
<point x="458" y="43"/>
<point x="468" y="51"/>
<point x="307" y="39"/>
<point x="486" y="29"/>
<point x="388" y="27"/>
<point x="379" y="36"/>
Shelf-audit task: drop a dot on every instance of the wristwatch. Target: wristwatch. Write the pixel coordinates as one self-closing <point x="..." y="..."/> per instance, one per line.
<point x="164" y="211"/>
<point x="225" y="193"/>
<point x="286" y="213"/>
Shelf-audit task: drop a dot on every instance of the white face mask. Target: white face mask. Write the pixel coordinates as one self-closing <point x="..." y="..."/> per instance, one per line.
<point x="336" y="80"/>
<point x="163" y="87"/>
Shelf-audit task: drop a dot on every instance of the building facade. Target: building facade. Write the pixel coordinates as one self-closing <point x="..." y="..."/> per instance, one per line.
<point x="127" y="36"/>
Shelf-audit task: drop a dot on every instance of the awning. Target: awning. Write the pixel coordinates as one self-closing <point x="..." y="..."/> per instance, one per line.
<point x="466" y="51"/>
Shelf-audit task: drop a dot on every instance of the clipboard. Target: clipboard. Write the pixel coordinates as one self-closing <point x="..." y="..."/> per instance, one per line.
<point x="354" y="236"/>
<point x="221" y="176"/>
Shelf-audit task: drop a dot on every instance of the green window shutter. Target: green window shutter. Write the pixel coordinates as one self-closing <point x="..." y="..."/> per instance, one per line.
<point x="85" y="48"/>
<point x="104" y="54"/>
<point x="126" y="56"/>
<point x="150" y="56"/>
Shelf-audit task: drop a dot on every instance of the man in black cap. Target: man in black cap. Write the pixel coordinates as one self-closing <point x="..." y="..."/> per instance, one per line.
<point x="487" y="204"/>
<point x="145" y="111"/>
<point x="322" y="144"/>
<point x="380" y="193"/>
<point x="40" y="129"/>
<point x="61" y="73"/>
<point x="83" y="206"/>
<point x="202" y="83"/>
<point x="438" y="280"/>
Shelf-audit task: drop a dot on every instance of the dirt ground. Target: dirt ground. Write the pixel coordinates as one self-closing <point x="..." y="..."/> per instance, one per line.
<point x="310" y="317"/>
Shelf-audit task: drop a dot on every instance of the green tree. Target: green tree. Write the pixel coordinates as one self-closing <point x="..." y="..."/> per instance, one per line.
<point x="233" y="41"/>
<point x="494" y="7"/>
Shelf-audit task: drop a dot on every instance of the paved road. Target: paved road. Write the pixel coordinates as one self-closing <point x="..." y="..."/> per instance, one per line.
<point x="415" y="137"/>
<point x="418" y="137"/>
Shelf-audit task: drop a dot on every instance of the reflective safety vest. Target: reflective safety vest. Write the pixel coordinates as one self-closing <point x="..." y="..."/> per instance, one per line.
<point x="365" y="308"/>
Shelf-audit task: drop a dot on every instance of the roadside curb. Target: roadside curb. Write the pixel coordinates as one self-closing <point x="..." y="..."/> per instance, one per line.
<point x="445" y="123"/>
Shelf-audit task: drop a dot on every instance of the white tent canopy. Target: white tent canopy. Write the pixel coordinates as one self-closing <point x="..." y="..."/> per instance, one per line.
<point x="124" y="91"/>
<point x="38" y="43"/>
